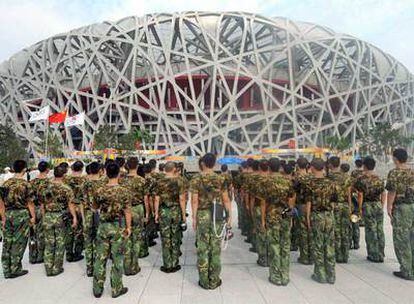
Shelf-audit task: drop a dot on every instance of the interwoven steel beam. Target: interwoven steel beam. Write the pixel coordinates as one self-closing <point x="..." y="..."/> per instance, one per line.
<point x="231" y="83"/>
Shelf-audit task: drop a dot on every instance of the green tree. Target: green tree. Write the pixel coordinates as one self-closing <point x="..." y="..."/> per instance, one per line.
<point x="105" y="138"/>
<point x="383" y="138"/>
<point x="143" y="137"/>
<point x="337" y="143"/>
<point x="126" y="143"/>
<point x="11" y="147"/>
<point x="53" y="146"/>
<point x="134" y="139"/>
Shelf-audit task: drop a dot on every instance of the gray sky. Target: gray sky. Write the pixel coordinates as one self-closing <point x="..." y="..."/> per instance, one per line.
<point x="387" y="24"/>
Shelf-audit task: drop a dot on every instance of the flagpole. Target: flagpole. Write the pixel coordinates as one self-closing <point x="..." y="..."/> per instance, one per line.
<point x="47" y="138"/>
<point x="83" y="137"/>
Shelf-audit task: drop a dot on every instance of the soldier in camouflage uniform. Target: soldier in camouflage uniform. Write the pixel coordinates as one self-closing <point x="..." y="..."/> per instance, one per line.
<point x="206" y="189"/>
<point x="57" y="200"/>
<point x="237" y="197"/>
<point x="228" y="179"/>
<point x="89" y="215"/>
<point x="181" y="173"/>
<point x="114" y="204"/>
<point x="36" y="241"/>
<point x="151" y="182"/>
<point x="320" y="195"/>
<point x="17" y="212"/>
<point x="253" y="204"/>
<point x="371" y="192"/>
<point x="136" y="186"/>
<point x="74" y="236"/>
<point x="305" y="237"/>
<point x="288" y="171"/>
<point x="355" y="231"/>
<point x="169" y="213"/>
<point x="342" y="210"/>
<point x="400" y="207"/>
<point x="278" y="193"/>
<point x="244" y="212"/>
<point x="259" y="211"/>
<point x="246" y="201"/>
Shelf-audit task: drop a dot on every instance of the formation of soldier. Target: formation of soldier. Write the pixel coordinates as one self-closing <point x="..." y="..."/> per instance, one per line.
<point x="318" y="208"/>
<point x="116" y="211"/>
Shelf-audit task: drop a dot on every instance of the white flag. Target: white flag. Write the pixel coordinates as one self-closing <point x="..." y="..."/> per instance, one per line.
<point x="42" y="114"/>
<point x="76" y="120"/>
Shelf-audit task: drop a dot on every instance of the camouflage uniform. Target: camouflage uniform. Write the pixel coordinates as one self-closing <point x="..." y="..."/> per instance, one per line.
<point x="246" y="205"/>
<point x="209" y="188"/>
<point x="401" y="181"/>
<point x="355" y="230"/>
<point x="56" y="199"/>
<point x="372" y="187"/>
<point x="341" y="215"/>
<point x="237" y="198"/>
<point x="136" y="187"/>
<point x="16" y="231"/>
<point x="228" y="181"/>
<point x="169" y="191"/>
<point x="151" y="228"/>
<point x="321" y="193"/>
<point x="277" y="191"/>
<point x="243" y="213"/>
<point x="186" y="184"/>
<point x="305" y="236"/>
<point x="90" y="221"/>
<point x="36" y="240"/>
<point x="74" y="236"/>
<point x="111" y="201"/>
<point x="255" y="217"/>
<point x="261" y="243"/>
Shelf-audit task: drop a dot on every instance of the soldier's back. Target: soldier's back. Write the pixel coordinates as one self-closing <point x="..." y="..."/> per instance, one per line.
<point x="169" y="189"/>
<point x="371" y="185"/>
<point x="342" y="182"/>
<point x="112" y="200"/>
<point x="17" y="193"/>
<point x="56" y="197"/>
<point x="76" y="183"/>
<point x="38" y="186"/>
<point x="321" y="191"/>
<point x="90" y="190"/>
<point x="209" y="188"/>
<point x="401" y="181"/>
<point x="136" y="185"/>
<point x="300" y="183"/>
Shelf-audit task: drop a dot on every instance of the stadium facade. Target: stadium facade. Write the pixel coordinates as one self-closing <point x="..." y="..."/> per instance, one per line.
<point x="231" y="83"/>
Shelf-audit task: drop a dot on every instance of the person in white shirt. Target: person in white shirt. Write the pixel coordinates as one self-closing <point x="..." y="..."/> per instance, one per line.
<point x="6" y="175"/>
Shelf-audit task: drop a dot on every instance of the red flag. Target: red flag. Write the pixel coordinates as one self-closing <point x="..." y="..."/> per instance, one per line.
<point x="57" y="117"/>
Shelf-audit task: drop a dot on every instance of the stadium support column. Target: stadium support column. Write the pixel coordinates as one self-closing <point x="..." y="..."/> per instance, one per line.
<point x="292" y="84"/>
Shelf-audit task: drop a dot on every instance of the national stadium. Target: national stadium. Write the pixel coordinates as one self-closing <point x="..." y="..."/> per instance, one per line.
<point x="231" y="83"/>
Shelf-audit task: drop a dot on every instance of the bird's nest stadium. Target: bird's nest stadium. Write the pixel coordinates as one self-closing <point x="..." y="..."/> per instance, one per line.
<point x="231" y="83"/>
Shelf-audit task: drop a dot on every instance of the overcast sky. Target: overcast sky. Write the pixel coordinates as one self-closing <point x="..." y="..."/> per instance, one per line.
<point x="389" y="24"/>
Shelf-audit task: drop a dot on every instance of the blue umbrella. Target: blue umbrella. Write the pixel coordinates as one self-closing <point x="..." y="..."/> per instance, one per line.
<point x="230" y="160"/>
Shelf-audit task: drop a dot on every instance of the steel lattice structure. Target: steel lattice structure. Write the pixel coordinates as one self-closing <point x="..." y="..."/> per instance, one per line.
<point x="231" y="83"/>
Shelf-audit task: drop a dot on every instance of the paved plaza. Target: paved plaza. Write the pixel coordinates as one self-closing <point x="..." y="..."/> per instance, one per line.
<point x="243" y="281"/>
